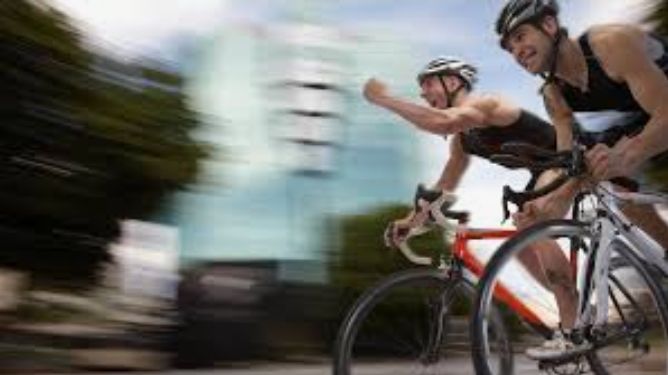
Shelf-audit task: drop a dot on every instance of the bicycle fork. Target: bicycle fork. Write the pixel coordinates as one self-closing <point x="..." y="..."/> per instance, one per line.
<point x="438" y="308"/>
<point x="595" y="279"/>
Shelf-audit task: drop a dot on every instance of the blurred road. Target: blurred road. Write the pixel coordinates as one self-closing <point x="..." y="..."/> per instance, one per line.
<point x="454" y="366"/>
<point x="460" y="365"/>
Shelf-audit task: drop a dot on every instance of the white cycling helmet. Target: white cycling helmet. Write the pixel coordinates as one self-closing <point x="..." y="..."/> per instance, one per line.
<point x="450" y="65"/>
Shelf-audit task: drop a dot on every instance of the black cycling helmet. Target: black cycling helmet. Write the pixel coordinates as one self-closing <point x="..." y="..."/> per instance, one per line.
<point x="519" y="12"/>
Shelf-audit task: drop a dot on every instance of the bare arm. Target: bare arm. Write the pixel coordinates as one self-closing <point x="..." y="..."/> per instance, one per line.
<point x="562" y="119"/>
<point x="623" y="51"/>
<point x="452" y="173"/>
<point x="437" y="121"/>
<point x="560" y="114"/>
<point x="455" y="167"/>
<point x="556" y="204"/>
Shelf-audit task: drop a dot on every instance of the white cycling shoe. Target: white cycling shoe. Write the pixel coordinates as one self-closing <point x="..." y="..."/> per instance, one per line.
<point x="556" y="348"/>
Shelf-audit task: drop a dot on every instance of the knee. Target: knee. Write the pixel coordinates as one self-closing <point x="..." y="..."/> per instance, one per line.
<point x="559" y="278"/>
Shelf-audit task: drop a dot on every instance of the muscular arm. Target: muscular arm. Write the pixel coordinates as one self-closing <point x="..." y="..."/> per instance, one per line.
<point x="623" y="53"/>
<point x="455" y="167"/>
<point x="438" y="121"/>
<point x="560" y="114"/>
<point x="556" y="204"/>
<point x="448" y="121"/>
<point x="562" y="119"/>
<point x="452" y="173"/>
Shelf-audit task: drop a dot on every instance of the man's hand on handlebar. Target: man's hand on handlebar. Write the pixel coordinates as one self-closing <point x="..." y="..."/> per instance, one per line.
<point x="397" y="231"/>
<point x="552" y="205"/>
<point x="540" y="209"/>
<point x="606" y="162"/>
<point x="428" y="205"/>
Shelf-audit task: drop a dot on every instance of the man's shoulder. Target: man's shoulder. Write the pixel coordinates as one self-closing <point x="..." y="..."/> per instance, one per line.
<point x="608" y="38"/>
<point x="490" y="100"/>
<point x="612" y="45"/>
<point x="492" y="104"/>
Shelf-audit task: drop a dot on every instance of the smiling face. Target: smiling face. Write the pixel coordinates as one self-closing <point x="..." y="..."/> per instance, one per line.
<point x="531" y="47"/>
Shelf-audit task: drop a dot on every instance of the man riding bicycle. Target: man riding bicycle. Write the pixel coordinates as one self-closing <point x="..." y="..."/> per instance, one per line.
<point x="617" y="72"/>
<point x="480" y="124"/>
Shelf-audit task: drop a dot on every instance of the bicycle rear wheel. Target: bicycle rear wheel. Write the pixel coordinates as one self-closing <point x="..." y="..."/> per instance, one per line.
<point x="404" y="325"/>
<point x="635" y="338"/>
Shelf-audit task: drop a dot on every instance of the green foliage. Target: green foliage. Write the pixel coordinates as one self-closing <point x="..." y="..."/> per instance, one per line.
<point x="84" y="142"/>
<point x="363" y="259"/>
<point x="658" y="16"/>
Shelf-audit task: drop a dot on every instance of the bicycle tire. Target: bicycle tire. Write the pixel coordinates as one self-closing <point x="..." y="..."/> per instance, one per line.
<point x="550" y="229"/>
<point x="373" y="297"/>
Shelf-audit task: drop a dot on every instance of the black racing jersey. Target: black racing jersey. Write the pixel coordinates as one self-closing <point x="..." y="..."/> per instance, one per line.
<point x="607" y="110"/>
<point x="528" y="128"/>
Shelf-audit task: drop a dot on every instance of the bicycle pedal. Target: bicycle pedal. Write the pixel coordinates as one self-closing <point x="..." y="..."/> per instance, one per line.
<point x="562" y="367"/>
<point x="566" y="358"/>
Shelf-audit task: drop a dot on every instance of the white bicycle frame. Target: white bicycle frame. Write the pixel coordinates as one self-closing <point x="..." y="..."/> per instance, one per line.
<point x="610" y="224"/>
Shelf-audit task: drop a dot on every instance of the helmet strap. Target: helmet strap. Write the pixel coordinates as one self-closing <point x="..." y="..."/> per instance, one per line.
<point x="549" y="77"/>
<point x="449" y="95"/>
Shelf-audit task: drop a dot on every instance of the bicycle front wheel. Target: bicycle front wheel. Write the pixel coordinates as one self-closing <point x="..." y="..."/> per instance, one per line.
<point x="405" y="325"/>
<point x="634" y="337"/>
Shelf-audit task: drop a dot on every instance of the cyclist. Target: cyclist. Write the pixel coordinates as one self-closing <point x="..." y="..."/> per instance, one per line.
<point x="613" y="73"/>
<point x="479" y="125"/>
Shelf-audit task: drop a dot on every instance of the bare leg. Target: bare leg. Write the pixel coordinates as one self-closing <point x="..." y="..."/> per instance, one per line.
<point x="549" y="266"/>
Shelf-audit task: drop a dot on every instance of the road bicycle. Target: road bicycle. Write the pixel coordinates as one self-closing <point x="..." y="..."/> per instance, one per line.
<point x="622" y="312"/>
<point x="403" y="324"/>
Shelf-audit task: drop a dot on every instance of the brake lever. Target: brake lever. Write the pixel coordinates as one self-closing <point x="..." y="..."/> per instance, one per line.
<point x="504" y="203"/>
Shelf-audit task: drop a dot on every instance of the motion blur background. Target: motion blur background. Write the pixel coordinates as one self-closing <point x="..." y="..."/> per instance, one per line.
<point x="190" y="183"/>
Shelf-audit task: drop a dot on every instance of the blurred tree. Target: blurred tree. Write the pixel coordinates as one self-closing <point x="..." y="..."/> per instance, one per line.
<point x="658" y="16"/>
<point x="84" y="142"/>
<point x="362" y="258"/>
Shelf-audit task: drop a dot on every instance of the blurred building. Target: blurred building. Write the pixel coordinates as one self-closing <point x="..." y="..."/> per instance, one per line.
<point x="299" y="145"/>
